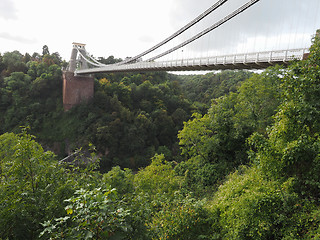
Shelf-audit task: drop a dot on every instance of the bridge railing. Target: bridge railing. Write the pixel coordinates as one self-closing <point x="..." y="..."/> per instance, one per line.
<point x="268" y="56"/>
<point x="238" y="61"/>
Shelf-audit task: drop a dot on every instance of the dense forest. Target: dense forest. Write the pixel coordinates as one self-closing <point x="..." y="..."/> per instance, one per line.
<point x="229" y="155"/>
<point x="131" y="117"/>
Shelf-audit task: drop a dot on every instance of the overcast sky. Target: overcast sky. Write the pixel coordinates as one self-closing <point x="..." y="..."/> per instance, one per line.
<point x="127" y="27"/>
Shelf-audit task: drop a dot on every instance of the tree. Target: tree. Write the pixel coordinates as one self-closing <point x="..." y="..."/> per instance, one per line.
<point x="45" y="50"/>
<point x="18" y="84"/>
<point x="31" y="186"/>
<point x="158" y="177"/>
<point x="13" y="62"/>
<point x="195" y="137"/>
<point x="90" y="214"/>
<point x="248" y="206"/>
<point x="183" y="218"/>
<point x="109" y="60"/>
<point x="291" y="148"/>
<point x="215" y="143"/>
<point x="258" y="100"/>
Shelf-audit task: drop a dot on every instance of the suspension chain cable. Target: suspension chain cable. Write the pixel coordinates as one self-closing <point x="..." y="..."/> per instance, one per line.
<point x="91" y="58"/>
<point x="180" y="31"/>
<point x="209" y="29"/>
<point x="88" y="61"/>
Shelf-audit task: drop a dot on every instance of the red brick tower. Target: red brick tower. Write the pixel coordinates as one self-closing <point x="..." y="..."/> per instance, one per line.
<point x="76" y="88"/>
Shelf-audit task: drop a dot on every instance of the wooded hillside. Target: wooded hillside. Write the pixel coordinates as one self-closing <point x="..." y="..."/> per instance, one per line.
<point x="237" y="161"/>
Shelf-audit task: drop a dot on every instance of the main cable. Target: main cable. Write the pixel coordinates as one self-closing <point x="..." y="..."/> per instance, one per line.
<point x="88" y="61"/>
<point x="177" y="33"/>
<point x="209" y="29"/>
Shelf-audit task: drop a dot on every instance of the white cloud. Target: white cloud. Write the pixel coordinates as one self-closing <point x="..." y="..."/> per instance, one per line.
<point x="147" y="39"/>
<point x="7" y="9"/>
<point x="126" y="28"/>
<point x="267" y="25"/>
<point x="18" y="39"/>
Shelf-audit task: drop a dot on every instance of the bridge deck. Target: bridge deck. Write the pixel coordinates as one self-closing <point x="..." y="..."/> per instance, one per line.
<point x="259" y="60"/>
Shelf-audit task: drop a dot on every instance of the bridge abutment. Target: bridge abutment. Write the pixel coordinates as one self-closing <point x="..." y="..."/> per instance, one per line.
<point x="76" y="89"/>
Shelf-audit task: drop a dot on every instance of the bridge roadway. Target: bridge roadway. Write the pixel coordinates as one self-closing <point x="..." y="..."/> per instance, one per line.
<point x="258" y="60"/>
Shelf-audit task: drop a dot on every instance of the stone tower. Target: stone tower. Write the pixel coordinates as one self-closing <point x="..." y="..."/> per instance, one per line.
<point x="76" y="88"/>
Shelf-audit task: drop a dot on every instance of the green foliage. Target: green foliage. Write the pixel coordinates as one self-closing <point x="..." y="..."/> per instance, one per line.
<point x="28" y="96"/>
<point x="13" y="62"/>
<point x="200" y="177"/>
<point x="157" y="178"/>
<point x="91" y="214"/>
<point x="202" y="89"/>
<point x="133" y="117"/>
<point x="195" y="136"/>
<point x="258" y="100"/>
<point x="130" y="117"/>
<point x="122" y="180"/>
<point x="45" y="50"/>
<point x="291" y="148"/>
<point x="18" y="81"/>
<point x="31" y="186"/>
<point x="216" y="142"/>
<point x="183" y="218"/>
<point x="312" y="230"/>
<point x="248" y="206"/>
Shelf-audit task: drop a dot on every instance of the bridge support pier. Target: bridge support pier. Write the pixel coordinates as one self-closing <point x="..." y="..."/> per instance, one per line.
<point x="76" y="89"/>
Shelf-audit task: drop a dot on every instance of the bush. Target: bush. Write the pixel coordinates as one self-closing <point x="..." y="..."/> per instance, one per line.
<point x="159" y="177"/>
<point x="32" y="186"/>
<point x="122" y="180"/>
<point x="183" y="218"/>
<point x="91" y="214"/>
<point x="199" y="176"/>
<point x="250" y="207"/>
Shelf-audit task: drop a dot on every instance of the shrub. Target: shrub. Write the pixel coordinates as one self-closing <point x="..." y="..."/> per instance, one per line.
<point x="181" y="219"/>
<point x="91" y="214"/>
<point x="32" y="186"/>
<point x="249" y="207"/>
<point x="158" y="177"/>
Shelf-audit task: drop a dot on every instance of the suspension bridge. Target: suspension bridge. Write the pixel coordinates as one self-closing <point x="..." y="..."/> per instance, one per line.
<point x="169" y="54"/>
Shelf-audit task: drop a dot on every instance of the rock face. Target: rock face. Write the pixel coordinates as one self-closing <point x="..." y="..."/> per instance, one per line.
<point x="76" y="89"/>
